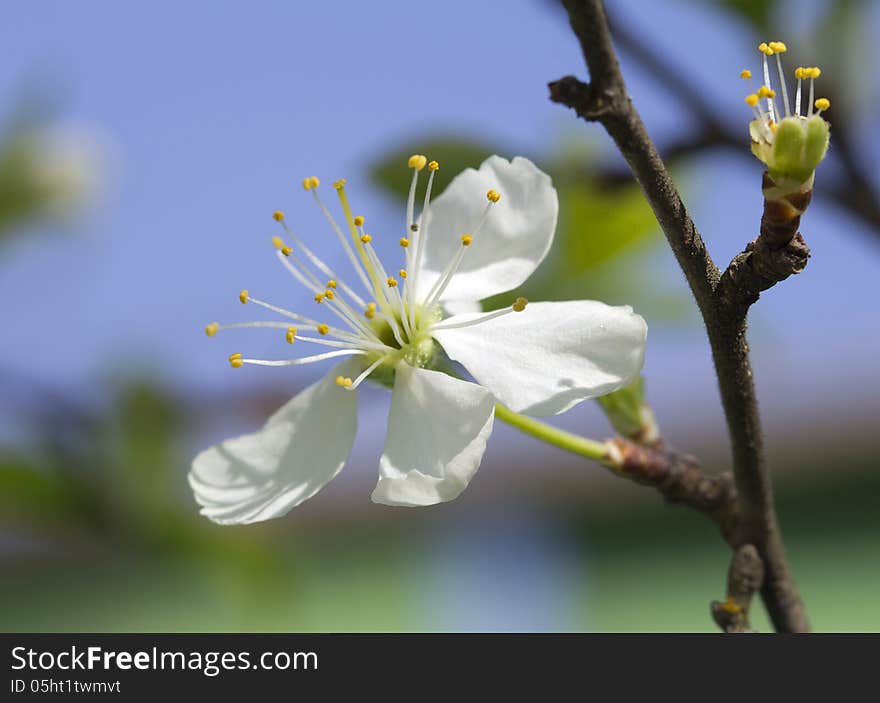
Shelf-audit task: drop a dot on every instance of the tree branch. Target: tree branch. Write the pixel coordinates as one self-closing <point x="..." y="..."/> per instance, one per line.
<point x="605" y="100"/>
<point x="744" y="578"/>
<point x="679" y="479"/>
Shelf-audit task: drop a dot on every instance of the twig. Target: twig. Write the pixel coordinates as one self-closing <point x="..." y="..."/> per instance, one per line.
<point x="679" y="478"/>
<point x="646" y="460"/>
<point x="744" y="578"/>
<point x="605" y="100"/>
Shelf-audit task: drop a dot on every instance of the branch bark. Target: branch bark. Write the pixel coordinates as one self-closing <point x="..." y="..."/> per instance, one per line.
<point x="679" y="479"/>
<point x="605" y="100"/>
<point x="744" y="578"/>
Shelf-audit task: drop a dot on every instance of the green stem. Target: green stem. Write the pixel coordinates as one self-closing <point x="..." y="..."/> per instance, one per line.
<point x="589" y="448"/>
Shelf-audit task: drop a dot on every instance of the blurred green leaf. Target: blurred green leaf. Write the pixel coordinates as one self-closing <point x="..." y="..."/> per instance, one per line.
<point x="453" y="154"/>
<point x="598" y="225"/>
<point x="598" y="231"/>
<point x="758" y="13"/>
<point x="27" y="493"/>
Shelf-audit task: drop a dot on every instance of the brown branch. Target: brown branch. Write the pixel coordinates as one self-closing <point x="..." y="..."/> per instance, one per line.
<point x="744" y="578"/>
<point x="679" y="479"/>
<point x="779" y="251"/>
<point x="605" y="100"/>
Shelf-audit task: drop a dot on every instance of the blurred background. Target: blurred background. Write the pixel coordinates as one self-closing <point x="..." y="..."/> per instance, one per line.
<point x="142" y="152"/>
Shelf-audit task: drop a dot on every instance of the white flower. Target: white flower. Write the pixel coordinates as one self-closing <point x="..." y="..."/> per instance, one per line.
<point x="469" y="244"/>
<point x="790" y="144"/>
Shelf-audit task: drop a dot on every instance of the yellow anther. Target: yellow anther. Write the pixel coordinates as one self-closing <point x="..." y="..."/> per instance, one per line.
<point x="778" y="47"/>
<point x="331" y="283"/>
<point x="402" y="273"/>
<point x="329" y="294"/>
<point x="243" y="297"/>
<point x="773" y="126"/>
<point x="822" y="104"/>
<point x="751" y="100"/>
<point x="290" y="336"/>
<point x="287" y="251"/>
<point x="370" y="313"/>
<point x="323" y="329"/>
<point x="371" y="306"/>
<point x="277" y="242"/>
<point x="815" y="72"/>
<point x="765" y="92"/>
<point x="765" y="49"/>
<point x="278" y="215"/>
<point x="358" y="221"/>
<point x="731" y="606"/>
<point x="745" y="73"/>
<point x="235" y="361"/>
<point x="433" y="165"/>
<point x="311" y="183"/>
<point x="493" y="195"/>
<point x="343" y="381"/>
<point x="519" y="304"/>
<point x="392" y="282"/>
<point x="212" y="328"/>
<point x="366" y="238"/>
<point x="799" y="72"/>
<point x="319" y="298"/>
<point x="404" y="242"/>
<point x="340" y="184"/>
<point x="466" y="240"/>
<point x="417" y="161"/>
<point x="233" y="357"/>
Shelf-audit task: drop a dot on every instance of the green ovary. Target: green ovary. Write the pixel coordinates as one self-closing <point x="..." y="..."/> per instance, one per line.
<point x="418" y="350"/>
<point x="795" y="149"/>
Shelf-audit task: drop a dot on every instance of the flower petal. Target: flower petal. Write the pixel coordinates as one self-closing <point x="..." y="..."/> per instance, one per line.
<point x="550" y="356"/>
<point x="437" y="432"/>
<point x="514" y="239"/>
<point x="296" y="453"/>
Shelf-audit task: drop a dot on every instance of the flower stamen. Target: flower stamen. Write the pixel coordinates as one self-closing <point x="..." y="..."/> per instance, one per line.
<point x="416" y="263"/>
<point x="518" y="306"/>
<point x="297" y="362"/>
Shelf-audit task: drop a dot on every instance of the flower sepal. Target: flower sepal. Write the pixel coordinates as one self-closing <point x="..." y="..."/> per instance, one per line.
<point x="799" y="145"/>
<point x="629" y="414"/>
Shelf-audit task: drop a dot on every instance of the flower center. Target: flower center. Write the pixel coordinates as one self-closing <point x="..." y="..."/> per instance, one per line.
<point x="389" y="324"/>
<point x="769" y="116"/>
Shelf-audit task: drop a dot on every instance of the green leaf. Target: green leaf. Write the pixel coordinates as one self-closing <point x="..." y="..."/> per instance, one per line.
<point x="598" y="225"/>
<point x="758" y="13"/>
<point x="26" y="493"/>
<point x="453" y="154"/>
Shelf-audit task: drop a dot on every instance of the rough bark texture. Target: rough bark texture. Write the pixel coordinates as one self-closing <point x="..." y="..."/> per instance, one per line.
<point x="744" y="578"/>
<point x="723" y="300"/>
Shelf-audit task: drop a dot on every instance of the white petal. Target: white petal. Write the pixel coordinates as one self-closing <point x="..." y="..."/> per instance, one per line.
<point x="459" y="307"/>
<point x="437" y="432"/>
<point x="550" y="356"/>
<point x="515" y="238"/>
<point x="296" y="453"/>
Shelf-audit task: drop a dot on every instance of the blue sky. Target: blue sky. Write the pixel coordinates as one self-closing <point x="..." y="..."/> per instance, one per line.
<point x="211" y="113"/>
